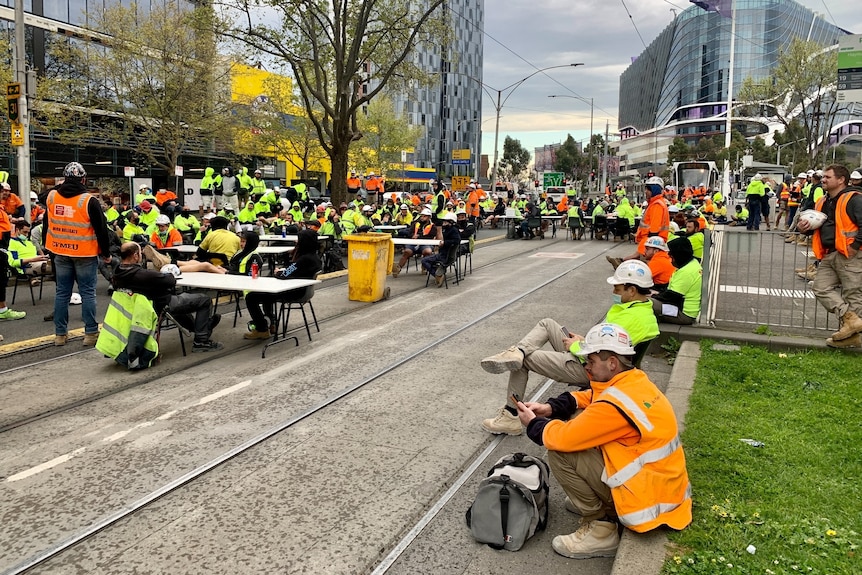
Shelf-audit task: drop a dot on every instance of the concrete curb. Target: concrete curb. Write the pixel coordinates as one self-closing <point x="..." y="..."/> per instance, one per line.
<point x="644" y="553"/>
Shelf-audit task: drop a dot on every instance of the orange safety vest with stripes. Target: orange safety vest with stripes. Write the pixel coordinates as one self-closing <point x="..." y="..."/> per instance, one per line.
<point x="845" y="229"/>
<point x="70" y="232"/>
<point x="656" y="220"/>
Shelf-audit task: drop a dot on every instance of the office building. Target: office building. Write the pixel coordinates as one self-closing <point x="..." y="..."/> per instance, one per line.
<point x="678" y="86"/>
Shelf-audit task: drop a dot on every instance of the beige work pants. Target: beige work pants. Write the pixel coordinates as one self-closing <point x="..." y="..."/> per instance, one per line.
<point x="580" y="476"/>
<point x="836" y="270"/>
<point x="559" y="365"/>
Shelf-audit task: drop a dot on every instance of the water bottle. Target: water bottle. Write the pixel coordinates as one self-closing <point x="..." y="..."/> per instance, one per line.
<point x="283" y="231"/>
<point x="255" y="270"/>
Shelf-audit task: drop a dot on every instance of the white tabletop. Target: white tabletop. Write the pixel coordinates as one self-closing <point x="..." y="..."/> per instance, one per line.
<point x="229" y="282"/>
<point x="416" y="242"/>
<point x="287" y="238"/>
<point x="552" y="217"/>
<point x="390" y="228"/>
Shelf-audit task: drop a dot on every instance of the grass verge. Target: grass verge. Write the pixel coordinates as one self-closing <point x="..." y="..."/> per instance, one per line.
<point x="792" y="504"/>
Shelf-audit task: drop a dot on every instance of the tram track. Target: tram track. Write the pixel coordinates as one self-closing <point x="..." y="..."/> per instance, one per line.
<point x="141" y="503"/>
<point x="204" y="359"/>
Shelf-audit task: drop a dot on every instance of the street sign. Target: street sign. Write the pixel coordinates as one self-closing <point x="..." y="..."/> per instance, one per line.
<point x="460" y="162"/>
<point x="850" y="68"/>
<point x="12" y="110"/>
<point x="460" y="183"/>
<point x="552" y="179"/>
<point x="129" y="171"/>
<point x="178" y="171"/>
<point x="13" y="90"/>
<point x="17" y="134"/>
<point x="461" y="155"/>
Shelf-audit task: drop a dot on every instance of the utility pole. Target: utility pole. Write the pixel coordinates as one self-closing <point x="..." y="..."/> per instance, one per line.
<point x="23" y="123"/>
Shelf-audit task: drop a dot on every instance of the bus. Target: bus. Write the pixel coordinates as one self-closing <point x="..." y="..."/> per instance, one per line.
<point x="695" y="174"/>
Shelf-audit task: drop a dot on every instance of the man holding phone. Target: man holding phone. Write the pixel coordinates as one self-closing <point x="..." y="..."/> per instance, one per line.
<point x="631" y="309"/>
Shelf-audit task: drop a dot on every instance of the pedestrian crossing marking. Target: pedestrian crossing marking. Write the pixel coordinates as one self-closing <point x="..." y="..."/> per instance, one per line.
<point x="777" y="292"/>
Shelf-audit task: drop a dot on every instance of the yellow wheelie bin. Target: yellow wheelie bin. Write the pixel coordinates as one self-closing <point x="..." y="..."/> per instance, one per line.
<point x="369" y="261"/>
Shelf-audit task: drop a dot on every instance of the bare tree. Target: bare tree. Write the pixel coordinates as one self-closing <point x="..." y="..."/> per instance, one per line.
<point x="341" y="53"/>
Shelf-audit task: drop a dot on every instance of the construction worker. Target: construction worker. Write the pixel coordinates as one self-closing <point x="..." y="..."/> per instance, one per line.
<point x="617" y="462"/>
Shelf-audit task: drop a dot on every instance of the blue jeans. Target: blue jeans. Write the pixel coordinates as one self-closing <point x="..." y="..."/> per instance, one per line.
<point x="69" y="270"/>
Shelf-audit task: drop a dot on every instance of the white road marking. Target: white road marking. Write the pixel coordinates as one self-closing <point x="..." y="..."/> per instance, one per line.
<point x="121" y="434"/>
<point x="754" y="290"/>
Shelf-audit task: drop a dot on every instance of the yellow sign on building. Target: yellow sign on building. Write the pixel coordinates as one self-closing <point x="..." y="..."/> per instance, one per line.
<point x="460" y="183"/>
<point x="461" y="154"/>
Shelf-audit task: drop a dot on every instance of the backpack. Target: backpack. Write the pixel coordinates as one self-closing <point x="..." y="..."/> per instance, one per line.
<point x="512" y="502"/>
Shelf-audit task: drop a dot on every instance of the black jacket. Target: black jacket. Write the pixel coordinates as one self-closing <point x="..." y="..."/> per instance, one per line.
<point x="156" y="286"/>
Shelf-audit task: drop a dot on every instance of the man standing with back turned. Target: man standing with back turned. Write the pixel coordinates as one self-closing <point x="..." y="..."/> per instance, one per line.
<point x="836" y="244"/>
<point x="77" y="234"/>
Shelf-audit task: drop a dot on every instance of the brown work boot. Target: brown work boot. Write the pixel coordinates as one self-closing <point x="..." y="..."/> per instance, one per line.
<point x="790" y="239"/>
<point x="396" y="269"/>
<point x="808" y="275"/>
<point x="851" y="324"/>
<point x="614" y="261"/>
<point x="854" y="340"/>
<point x="90" y="339"/>
<point x="510" y="360"/>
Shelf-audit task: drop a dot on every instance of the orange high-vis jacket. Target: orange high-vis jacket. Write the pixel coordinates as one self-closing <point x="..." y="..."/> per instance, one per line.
<point x="354" y="183"/>
<point x="70" y="232"/>
<point x="845" y="229"/>
<point x="655" y="221"/>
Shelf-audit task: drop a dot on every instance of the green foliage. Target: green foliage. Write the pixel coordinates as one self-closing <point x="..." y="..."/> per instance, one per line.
<point x="569" y="158"/>
<point x="384" y="136"/>
<point x="796" y="498"/>
<point x="515" y="159"/>
<point x="763" y="330"/>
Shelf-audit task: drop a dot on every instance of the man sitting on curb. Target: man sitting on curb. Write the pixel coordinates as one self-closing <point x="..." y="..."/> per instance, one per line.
<point x="632" y="309"/>
<point x="614" y="448"/>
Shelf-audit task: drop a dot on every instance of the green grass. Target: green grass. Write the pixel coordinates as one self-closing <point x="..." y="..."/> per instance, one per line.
<point x="797" y="499"/>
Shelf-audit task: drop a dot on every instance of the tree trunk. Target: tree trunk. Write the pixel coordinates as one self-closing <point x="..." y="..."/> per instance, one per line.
<point x="338" y="184"/>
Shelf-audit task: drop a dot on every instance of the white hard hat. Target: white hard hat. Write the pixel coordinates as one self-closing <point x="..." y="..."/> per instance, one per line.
<point x="757" y="177"/>
<point x="673" y="209"/>
<point x="674" y="227"/>
<point x="404" y="207"/>
<point x="172" y="269"/>
<point x="607" y="337"/>
<point x="814" y="218"/>
<point x="802" y="175"/>
<point x="459" y="211"/>
<point x="854" y="176"/>
<point x="656" y="242"/>
<point x="367" y="208"/>
<point x="75" y="299"/>
<point x="425" y="212"/>
<point x="370" y="173"/>
<point x="209" y="216"/>
<point x="632" y="272"/>
<point x="819" y="173"/>
<point x="655" y="181"/>
<point x="810" y="173"/>
<point x="143" y="187"/>
<point x="450" y="217"/>
<point x="163" y="220"/>
<point x="432" y="181"/>
<point x="34" y="196"/>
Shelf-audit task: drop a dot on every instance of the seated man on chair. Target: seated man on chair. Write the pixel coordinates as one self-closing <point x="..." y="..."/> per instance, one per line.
<point x="614" y="449"/>
<point x="631" y="309"/>
<point x="192" y="310"/>
<point x="435" y="264"/>
<point x="25" y="257"/>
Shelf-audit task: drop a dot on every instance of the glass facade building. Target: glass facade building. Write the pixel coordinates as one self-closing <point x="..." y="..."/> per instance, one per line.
<point x="450" y="110"/>
<point x="682" y="78"/>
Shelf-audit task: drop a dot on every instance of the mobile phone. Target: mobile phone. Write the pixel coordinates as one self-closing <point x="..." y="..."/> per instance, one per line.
<point x="515" y="398"/>
<point x="565" y="331"/>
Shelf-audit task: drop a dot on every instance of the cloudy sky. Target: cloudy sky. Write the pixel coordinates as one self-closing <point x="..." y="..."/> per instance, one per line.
<point x="522" y="36"/>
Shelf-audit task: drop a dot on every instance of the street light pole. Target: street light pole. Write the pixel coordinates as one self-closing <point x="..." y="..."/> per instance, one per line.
<point x="584" y="100"/>
<point x="498" y="105"/>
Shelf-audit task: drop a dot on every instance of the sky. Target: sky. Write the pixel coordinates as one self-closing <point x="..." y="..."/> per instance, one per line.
<point x="522" y="36"/>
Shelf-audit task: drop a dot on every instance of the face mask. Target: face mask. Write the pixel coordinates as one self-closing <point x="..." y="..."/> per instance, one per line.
<point x="617" y="298"/>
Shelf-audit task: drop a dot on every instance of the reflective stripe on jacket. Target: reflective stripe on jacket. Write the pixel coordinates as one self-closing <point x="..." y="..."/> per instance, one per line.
<point x="128" y="332"/>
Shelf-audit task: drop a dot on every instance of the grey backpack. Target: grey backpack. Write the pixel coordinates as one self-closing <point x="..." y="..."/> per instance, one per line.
<point x="512" y="502"/>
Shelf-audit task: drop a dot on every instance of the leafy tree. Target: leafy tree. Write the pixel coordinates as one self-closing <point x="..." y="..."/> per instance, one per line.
<point x="341" y="54"/>
<point x="569" y="159"/>
<point x="515" y="159"/>
<point x="679" y="151"/>
<point x="801" y="89"/>
<point x="385" y="135"/>
<point x="156" y="78"/>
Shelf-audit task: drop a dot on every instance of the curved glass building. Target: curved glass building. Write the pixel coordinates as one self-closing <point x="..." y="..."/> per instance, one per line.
<point x="678" y="86"/>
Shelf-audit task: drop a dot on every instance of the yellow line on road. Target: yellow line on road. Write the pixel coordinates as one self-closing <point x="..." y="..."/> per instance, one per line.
<point x="35" y="342"/>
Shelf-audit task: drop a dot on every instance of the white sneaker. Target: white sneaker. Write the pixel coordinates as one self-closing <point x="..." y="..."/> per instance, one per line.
<point x="592" y="539"/>
<point x="504" y="422"/>
<point x="509" y="360"/>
